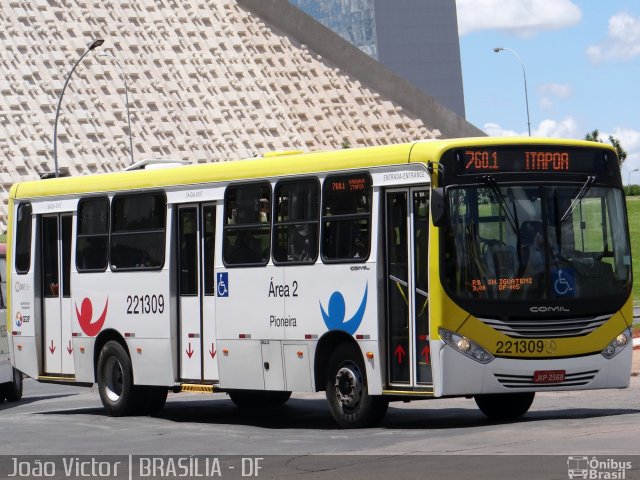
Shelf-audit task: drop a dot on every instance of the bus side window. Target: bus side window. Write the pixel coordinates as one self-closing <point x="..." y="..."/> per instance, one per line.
<point x="23" y="239"/>
<point x="247" y="225"/>
<point x="346" y="218"/>
<point x="138" y="231"/>
<point x="295" y="238"/>
<point x="92" y="243"/>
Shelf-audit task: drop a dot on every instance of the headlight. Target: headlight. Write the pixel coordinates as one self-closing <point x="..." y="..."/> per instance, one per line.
<point x="465" y="346"/>
<point x="617" y="344"/>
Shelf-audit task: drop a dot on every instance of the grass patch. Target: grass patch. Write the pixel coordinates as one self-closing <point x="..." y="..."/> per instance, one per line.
<point x="633" y="211"/>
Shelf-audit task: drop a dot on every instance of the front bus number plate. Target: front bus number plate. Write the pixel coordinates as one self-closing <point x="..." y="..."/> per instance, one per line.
<point x="548" y="376"/>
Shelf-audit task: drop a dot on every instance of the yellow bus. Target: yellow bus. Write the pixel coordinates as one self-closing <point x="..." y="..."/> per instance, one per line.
<point x="484" y="267"/>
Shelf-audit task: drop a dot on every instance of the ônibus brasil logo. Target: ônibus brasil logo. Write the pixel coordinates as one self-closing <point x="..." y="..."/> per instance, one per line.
<point x="334" y="319"/>
<point x="85" y="317"/>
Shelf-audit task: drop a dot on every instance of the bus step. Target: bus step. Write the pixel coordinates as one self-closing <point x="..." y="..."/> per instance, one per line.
<point x="417" y="392"/>
<point x="57" y="379"/>
<point x="196" y="387"/>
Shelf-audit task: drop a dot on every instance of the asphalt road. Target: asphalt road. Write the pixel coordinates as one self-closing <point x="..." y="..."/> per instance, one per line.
<point x="441" y="434"/>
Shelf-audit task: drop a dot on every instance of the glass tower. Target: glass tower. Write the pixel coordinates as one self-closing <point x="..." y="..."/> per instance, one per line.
<point x="416" y="39"/>
<point x="353" y="20"/>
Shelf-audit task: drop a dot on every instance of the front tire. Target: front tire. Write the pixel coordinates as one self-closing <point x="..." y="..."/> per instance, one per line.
<point x="505" y="406"/>
<point x="115" y="380"/>
<point x="349" y="401"/>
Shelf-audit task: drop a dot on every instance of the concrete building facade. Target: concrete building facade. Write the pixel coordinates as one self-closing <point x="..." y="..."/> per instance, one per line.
<point x="417" y="39"/>
<point x="207" y="81"/>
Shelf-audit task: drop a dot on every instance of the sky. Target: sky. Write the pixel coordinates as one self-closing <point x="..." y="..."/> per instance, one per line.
<point x="582" y="64"/>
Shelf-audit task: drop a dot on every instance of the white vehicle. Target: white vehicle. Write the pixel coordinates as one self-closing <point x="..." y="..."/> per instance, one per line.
<point x="10" y="378"/>
<point x="484" y="267"/>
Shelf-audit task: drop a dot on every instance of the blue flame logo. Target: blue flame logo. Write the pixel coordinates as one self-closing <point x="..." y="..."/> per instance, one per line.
<point x="335" y="318"/>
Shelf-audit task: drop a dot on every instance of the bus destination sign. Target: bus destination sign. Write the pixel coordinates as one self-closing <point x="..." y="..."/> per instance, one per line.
<point x="531" y="159"/>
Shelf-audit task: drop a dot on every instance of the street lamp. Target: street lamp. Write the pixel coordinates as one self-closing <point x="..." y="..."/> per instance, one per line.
<point x="95" y="44"/>
<point x="629" y="176"/>
<point x="126" y="96"/>
<point x="526" y="95"/>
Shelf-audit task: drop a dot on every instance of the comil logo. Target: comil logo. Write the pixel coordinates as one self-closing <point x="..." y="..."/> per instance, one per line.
<point x="597" y="468"/>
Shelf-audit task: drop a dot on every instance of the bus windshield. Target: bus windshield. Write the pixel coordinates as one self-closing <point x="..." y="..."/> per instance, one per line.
<point x="530" y="243"/>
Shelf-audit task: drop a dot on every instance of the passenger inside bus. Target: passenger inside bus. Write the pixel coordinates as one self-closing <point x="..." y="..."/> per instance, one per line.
<point x="532" y="240"/>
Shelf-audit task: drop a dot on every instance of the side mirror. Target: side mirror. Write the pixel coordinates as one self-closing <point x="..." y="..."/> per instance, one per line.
<point x="437" y="206"/>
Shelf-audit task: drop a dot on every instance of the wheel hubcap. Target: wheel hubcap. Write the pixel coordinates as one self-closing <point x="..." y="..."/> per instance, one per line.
<point x="349" y="386"/>
<point x="114" y="379"/>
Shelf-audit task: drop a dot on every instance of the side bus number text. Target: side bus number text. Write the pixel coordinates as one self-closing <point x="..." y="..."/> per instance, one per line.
<point x="142" y="304"/>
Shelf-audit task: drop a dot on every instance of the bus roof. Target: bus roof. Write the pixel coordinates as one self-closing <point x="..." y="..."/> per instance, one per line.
<point x="271" y="165"/>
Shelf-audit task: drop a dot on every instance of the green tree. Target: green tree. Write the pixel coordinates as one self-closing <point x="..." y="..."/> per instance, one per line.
<point x="594" y="136"/>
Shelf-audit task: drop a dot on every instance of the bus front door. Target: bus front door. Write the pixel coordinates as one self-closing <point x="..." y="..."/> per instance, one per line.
<point x="407" y="230"/>
<point x="196" y="285"/>
<point x="55" y="257"/>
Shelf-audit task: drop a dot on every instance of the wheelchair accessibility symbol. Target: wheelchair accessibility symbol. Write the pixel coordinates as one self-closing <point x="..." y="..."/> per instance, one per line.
<point x="564" y="282"/>
<point x="223" y="284"/>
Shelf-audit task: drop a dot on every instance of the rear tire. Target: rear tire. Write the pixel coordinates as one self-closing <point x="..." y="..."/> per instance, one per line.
<point x="115" y="380"/>
<point x="505" y="406"/>
<point x="349" y="401"/>
<point x="150" y="400"/>
<point x="258" y="398"/>
<point x="12" y="391"/>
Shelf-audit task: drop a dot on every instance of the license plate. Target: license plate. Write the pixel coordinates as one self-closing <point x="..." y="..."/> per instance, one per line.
<point x="548" y="376"/>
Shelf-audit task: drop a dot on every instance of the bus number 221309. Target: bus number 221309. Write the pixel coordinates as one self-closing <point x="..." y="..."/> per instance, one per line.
<point x="143" y="304"/>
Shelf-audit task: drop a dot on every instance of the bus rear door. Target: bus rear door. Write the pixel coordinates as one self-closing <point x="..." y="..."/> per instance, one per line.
<point x="55" y="257"/>
<point x="196" y="284"/>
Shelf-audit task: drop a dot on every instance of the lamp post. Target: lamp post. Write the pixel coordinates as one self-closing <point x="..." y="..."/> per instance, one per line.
<point x="524" y="75"/>
<point x="629" y="176"/>
<point x="95" y="44"/>
<point x="126" y="96"/>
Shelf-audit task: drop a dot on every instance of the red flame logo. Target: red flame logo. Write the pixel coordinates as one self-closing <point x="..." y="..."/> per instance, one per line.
<point x="85" y="317"/>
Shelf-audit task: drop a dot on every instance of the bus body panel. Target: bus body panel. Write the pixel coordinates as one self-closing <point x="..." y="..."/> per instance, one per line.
<point x="297" y="367"/>
<point x="500" y="344"/>
<point x="152" y="361"/>
<point x="460" y="375"/>
<point x="27" y="353"/>
<point x="6" y="372"/>
<point x="304" y="306"/>
<point x="240" y="364"/>
<point x="85" y="351"/>
<point x="24" y="319"/>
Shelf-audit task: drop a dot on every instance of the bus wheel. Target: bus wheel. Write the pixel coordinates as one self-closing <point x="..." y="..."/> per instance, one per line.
<point x="258" y="398"/>
<point x="349" y="401"/>
<point x="505" y="406"/>
<point x="12" y="391"/>
<point x="115" y="380"/>
<point x="151" y="399"/>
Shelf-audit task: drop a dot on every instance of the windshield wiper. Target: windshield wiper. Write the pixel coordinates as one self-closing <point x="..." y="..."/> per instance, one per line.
<point x="495" y="189"/>
<point x="583" y="191"/>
